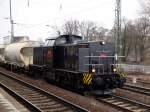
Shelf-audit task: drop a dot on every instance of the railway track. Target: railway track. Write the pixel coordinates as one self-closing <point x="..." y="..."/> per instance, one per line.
<point x="137" y="89"/>
<point x="140" y="82"/>
<point x="144" y="83"/>
<point x="36" y="99"/>
<point x="124" y="104"/>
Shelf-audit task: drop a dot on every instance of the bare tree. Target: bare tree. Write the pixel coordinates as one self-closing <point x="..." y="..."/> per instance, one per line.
<point x="102" y="33"/>
<point x="134" y="38"/>
<point x="71" y="27"/>
<point x="87" y="28"/>
<point x="143" y="28"/>
<point x="145" y="4"/>
<point x="127" y="37"/>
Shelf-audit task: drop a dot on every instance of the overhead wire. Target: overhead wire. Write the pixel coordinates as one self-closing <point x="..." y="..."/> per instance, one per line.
<point x="28" y="26"/>
<point x="70" y="13"/>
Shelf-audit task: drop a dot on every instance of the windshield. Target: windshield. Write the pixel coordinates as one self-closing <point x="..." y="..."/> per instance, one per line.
<point x="49" y="42"/>
<point x="76" y="39"/>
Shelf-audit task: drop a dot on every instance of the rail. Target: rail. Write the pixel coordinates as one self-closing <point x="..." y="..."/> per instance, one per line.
<point x="36" y="98"/>
<point x="137" y="89"/>
<point x="124" y="104"/>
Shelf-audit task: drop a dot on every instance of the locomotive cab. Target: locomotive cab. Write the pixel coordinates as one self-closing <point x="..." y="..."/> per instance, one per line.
<point x="102" y="67"/>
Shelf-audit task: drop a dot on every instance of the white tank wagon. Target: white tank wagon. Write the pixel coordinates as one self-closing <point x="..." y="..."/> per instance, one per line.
<point x="2" y="48"/>
<point x="20" y="53"/>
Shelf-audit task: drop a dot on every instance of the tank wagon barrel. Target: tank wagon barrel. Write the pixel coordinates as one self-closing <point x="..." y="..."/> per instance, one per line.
<point x="20" y="53"/>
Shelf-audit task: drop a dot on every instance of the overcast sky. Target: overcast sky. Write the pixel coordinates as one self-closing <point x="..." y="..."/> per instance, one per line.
<point x="32" y="19"/>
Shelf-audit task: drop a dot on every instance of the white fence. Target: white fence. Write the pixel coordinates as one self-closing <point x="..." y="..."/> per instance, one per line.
<point x="135" y="68"/>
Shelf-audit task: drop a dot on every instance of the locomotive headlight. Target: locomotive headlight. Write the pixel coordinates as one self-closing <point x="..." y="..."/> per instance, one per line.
<point x="114" y="69"/>
<point x="93" y="70"/>
<point x="103" y="42"/>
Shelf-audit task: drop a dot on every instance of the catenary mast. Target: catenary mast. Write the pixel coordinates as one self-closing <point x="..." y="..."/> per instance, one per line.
<point x="117" y="26"/>
<point x="11" y="22"/>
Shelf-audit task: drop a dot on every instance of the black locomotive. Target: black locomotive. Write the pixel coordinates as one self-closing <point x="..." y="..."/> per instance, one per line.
<point x="74" y="63"/>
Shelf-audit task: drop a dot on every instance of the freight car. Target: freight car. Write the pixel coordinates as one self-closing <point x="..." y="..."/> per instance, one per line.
<point x="71" y="62"/>
<point x="2" y="48"/>
<point x="19" y="55"/>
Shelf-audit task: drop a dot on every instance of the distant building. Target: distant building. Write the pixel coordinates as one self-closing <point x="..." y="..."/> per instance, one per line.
<point x="20" y="38"/>
<point x="6" y="40"/>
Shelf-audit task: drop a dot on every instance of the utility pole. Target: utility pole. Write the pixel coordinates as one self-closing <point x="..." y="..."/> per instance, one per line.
<point x="11" y="22"/>
<point x="117" y="26"/>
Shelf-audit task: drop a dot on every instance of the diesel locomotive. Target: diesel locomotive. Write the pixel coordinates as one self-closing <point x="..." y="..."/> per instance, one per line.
<point x="70" y="62"/>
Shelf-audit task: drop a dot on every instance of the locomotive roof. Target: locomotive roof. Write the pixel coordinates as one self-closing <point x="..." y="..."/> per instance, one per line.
<point x="69" y="39"/>
<point x="92" y="41"/>
<point x="68" y="36"/>
<point x="63" y="39"/>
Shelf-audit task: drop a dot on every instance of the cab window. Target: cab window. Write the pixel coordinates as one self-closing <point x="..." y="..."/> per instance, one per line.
<point x="60" y="41"/>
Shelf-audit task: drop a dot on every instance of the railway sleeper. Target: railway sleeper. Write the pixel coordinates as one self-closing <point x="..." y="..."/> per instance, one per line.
<point x="27" y="94"/>
<point x="35" y="97"/>
<point x="24" y="91"/>
<point x="52" y="106"/>
<point x="42" y="101"/>
<point x="130" y="106"/>
<point x="39" y="98"/>
<point x="16" y="86"/>
<point x="27" y="91"/>
<point x="134" y="108"/>
<point x="63" y="109"/>
<point x="48" y="103"/>
<point x="45" y="103"/>
<point x="119" y="103"/>
<point x="56" y="110"/>
<point x="26" y="88"/>
<point x="60" y="109"/>
<point x="30" y="93"/>
<point x="141" y="110"/>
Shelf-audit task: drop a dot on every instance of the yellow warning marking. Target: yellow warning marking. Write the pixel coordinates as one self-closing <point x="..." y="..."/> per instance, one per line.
<point x="87" y="78"/>
<point x="90" y="81"/>
<point x="121" y="73"/>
